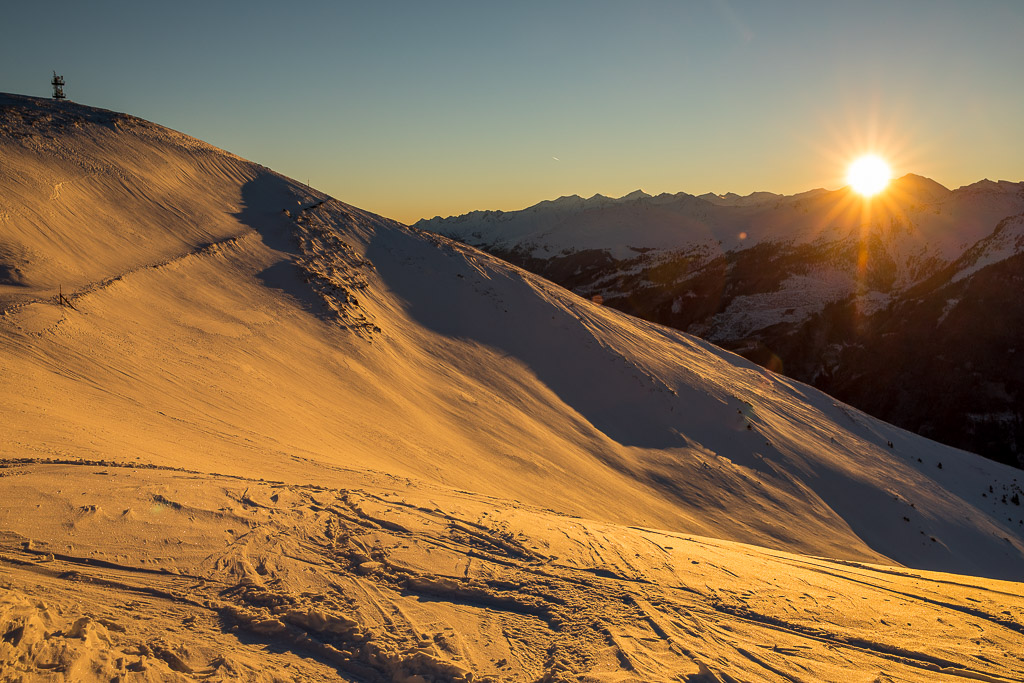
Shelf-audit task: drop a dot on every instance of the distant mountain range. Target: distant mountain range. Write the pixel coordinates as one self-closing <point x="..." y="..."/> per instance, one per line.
<point x="906" y="305"/>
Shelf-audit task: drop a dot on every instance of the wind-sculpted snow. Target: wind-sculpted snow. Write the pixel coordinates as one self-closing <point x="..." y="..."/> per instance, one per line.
<point x="277" y="436"/>
<point x="238" y="579"/>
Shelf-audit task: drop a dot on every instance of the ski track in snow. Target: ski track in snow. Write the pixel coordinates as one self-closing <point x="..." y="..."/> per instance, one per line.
<point x="382" y="584"/>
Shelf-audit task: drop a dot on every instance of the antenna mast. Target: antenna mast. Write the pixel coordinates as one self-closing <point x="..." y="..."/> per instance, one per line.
<point x="58" y="86"/>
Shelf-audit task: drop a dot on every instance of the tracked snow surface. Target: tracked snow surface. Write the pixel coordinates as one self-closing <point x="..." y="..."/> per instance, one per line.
<point x="250" y="432"/>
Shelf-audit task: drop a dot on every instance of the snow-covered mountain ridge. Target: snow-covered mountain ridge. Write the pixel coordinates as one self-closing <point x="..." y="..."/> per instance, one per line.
<point x="928" y="215"/>
<point x="249" y="430"/>
<point x="802" y="283"/>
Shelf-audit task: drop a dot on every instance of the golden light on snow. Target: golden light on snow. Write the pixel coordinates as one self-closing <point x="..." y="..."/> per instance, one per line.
<point x="568" y="428"/>
<point x="868" y="175"/>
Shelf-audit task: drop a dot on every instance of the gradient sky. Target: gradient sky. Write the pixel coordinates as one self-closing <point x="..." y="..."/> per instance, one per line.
<point x="414" y="109"/>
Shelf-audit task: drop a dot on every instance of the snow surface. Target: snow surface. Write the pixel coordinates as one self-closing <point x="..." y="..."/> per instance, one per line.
<point x="1006" y="241"/>
<point x="270" y="432"/>
<point x="799" y="297"/>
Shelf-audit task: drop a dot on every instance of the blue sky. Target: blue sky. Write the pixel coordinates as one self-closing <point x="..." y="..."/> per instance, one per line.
<point x="412" y="109"/>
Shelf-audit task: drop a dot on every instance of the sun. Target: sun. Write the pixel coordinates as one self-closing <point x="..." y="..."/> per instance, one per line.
<point x="868" y="175"/>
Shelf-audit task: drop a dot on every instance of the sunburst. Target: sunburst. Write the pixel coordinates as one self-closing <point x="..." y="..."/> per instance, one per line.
<point x="868" y="175"/>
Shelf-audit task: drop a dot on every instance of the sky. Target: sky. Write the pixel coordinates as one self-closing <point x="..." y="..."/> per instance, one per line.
<point x="416" y="109"/>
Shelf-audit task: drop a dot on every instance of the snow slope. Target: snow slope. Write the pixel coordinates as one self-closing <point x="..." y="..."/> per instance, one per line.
<point x="228" y="321"/>
<point x="153" y="574"/>
<point x="807" y="285"/>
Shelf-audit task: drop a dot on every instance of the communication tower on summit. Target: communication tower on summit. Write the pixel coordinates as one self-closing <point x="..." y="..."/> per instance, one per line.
<point x="58" y="86"/>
